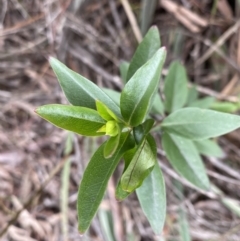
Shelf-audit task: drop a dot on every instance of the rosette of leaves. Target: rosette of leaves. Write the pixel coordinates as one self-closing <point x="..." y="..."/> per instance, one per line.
<point x="126" y="119"/>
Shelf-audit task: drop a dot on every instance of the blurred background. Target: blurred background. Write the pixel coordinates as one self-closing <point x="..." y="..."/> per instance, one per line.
<point x="41" y="166"/>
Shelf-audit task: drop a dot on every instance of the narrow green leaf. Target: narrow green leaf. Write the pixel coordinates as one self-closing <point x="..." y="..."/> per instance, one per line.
<point x="140" y="166"/>
<point x="148" y="8"/>
<point x="157" y="107"/>
<point x="114" y="95"/>
<point x="138" y="94"/>
<point x="145" y="50"/>
<point x="175" y="87"/>
<point x="95" y="179"/>
<point x="111" y="145"/>
<point x="152" y="197"/>
<point x="81" y="120"/>
<point x="203" y="103"/>
<point x="79" y="90"/>
<point x="106" y="223"/>
<point x="208" y="148"/>
<point x="192" y="95"/>
<point x="197" y="124"/>
<point x="184" y="158"/>
<point x="124" y="70"/>
<point x="227" y="107"/>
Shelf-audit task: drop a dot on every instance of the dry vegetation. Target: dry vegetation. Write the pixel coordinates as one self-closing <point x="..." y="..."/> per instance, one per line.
<point x="91" y="37"/>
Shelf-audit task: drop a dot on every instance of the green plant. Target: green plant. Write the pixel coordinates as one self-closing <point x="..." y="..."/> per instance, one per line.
<point x="127" y="118"/>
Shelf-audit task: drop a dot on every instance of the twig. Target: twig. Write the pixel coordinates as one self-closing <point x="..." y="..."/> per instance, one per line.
<point x="223" y="167"/>
<point x="132" y="20"/>
<point x="220" y="42"/>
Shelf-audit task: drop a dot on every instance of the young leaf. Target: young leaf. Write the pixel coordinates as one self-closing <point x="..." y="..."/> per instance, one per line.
<point x="137" y="95"/>
<point x="79" y="90"/>
<point x="199" y="124"/>
<point x="184" y="158"/>
<point x="203" y="103"/>
<point x="145" y="50"/>
<point x="208" y="148"/>
<point x="95" y="179"/>
<point x="152" y="197"/>
<point x="175" y="87"/>
<point x="123" y="70"/>
<point x="111" y="145"/>
<point x="81" y="120"/>
<point x="140" y="166"/>
<point x="105" y="112"/>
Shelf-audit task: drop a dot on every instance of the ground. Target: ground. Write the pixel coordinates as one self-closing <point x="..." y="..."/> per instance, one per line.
<point x="92" y="37"/>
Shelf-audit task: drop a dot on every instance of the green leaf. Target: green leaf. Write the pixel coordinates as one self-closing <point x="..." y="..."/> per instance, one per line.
<point x="79" y="90"/>
<point x="123" y="70"/>
<point x="147" y="13"/>
<point x="175" y="87"/>
<point x="208" y="148"/>
<point x="111" y="145"/>
<point x="114" y="95"/>
<point x="105" y="112"/>
<point x="145" y="50"/>
<point x="120" y="194"/>
<point x="140" y="166"/>
<point x="227" y="107"/>
<point x="128" y="156"/>
<point x="95" y="179"/>
<point x="152" y="197"/>
<point x="81" y="120"/>
<point x="157" y="107"/>
<point x="203" y="103"/>
<point x="192" y="95"/>
<point x="142" y="130"/>
<point x="197" y="124"/>
<point x="138" y="94"/>
<point x="184" y="158"/>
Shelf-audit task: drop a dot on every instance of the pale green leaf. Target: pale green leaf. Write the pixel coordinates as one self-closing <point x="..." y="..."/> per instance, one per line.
<point x="203" y="103"/>
<point x="175" y="87"/>
<point x="145" y="50"/>
<point x="148" y="8"/>
<point x="152" y="197"/>
<point x="192" y="95"/>
<point x="114" y="95"/>
<point x="79" y="90"/>
<point x="197" y="124"/>
<point x="138" y="94"/>
<point x="208" y="148"/>
<point x="95" y="179"/>
<point x="78" y="119"/>
<point x="157" y="107"/>
<point x="184" y="158"/>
